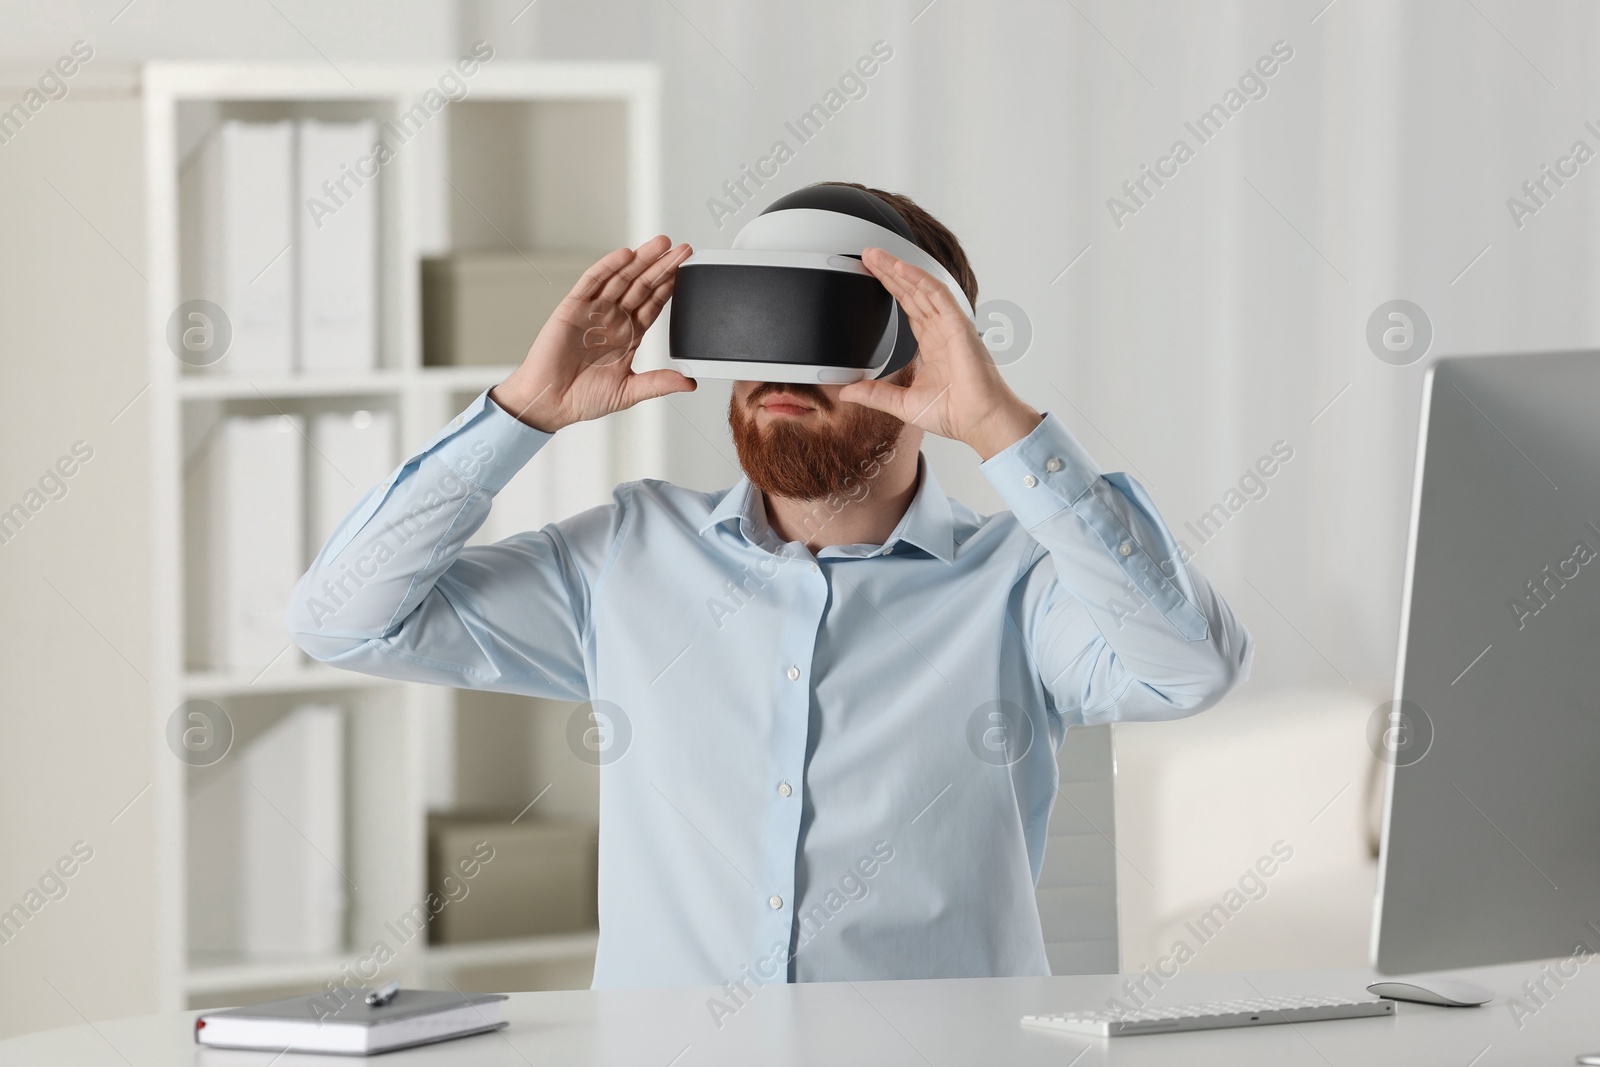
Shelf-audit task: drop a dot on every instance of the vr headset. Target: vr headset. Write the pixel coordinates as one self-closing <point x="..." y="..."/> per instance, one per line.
<point x="791" y="300"/>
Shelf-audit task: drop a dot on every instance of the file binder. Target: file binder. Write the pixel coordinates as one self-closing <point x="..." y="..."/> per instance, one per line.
<point x="252" y="535"/>
<point x="265" y="827"/>
<point x="291" y="881"/>
<point x="236" y="195"/>
<point x="336" y="222"/>
<point x="351" y="451"/>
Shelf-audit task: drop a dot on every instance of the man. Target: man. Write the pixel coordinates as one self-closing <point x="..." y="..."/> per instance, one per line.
<point x="832" y="695"/>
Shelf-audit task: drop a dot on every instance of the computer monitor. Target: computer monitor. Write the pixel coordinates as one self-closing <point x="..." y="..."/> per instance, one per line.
<point x="1491" y="840"/>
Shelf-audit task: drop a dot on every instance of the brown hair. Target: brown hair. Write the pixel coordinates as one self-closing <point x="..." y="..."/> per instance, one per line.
<point x="931" y="235"/>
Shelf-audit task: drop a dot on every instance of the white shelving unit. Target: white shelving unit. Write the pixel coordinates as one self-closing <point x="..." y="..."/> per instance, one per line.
<point x="576" y="145"/>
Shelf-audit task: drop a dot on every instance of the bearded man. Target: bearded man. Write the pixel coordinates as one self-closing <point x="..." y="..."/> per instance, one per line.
<point x="830" y="696"/>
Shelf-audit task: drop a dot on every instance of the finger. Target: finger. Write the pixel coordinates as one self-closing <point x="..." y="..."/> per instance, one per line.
<point x="940" y="295"/>
<point x="923" y="287"/>
<point x="650" y="310"/>
<point x="641" y="259"/>
<point x="926" y="322"/>
<point x="913" y="285"/>
<point x="643" y="256"/>
<point x="653" y="383"/>
<point x="662" y="269"/>
<point x="650" y="275"/>
<point x="885" y="268"/>
<point x="597" y="275"/>
<point x="880" y="396"/>
<point x="666" y="268"/>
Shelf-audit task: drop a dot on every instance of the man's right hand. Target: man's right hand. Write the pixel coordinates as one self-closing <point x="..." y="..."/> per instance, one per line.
<point x="581" y="365"/>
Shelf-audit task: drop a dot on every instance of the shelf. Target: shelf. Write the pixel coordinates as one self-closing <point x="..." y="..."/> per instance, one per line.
<point x="236" y="974"/>
<point x="580" y="79"/>
<point x="221" y="387"/>
<point x="287" y="680"/>
<point x="548" y="948"/>
<point x="462" y="378"/>
<point x="565" y="152"/>
<point x="239" y="974"/>
<point x="364" y="383"/>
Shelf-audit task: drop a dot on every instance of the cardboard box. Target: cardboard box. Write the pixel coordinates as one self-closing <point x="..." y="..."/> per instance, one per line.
<point x="485" y="308"/>
<point x="541" y="877"/>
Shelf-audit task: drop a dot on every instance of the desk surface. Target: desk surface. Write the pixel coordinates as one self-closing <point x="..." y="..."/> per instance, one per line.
<point x="919" y="1024"/>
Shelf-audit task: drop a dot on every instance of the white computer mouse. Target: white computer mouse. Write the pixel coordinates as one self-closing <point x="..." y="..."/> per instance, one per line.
<point x="1442" y="989"/>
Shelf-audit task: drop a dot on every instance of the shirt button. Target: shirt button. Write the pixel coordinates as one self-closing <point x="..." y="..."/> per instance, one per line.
<point x="784" y="789"/>
<point x="1029" y="480"/>
<point x="813" y="568"/>
<point x="887" y="549"/>
<point x="1125" y="549"/>
<point x="1052" y="464"/>
<point x="793" y="673"/>
<point x="774" y="902"/>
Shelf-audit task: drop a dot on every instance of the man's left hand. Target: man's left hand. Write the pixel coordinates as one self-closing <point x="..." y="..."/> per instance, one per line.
<point x="958" y="391"/>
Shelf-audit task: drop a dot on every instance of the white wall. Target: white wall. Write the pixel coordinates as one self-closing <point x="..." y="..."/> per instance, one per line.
<point x="76" y="755"/>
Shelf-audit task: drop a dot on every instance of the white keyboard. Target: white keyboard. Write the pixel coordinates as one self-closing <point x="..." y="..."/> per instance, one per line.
<point x="1215" y="1016"/>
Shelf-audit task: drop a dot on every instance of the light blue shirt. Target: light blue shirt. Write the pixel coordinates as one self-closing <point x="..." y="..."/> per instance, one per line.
<point x="813" y="768"/>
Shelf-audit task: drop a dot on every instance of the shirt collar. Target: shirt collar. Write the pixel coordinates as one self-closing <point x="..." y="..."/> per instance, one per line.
<point x="927" y="523"/>
<point x="741" y="502"/>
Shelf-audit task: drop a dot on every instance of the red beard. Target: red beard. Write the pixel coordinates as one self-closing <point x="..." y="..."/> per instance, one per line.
<point x="800" y="463"/>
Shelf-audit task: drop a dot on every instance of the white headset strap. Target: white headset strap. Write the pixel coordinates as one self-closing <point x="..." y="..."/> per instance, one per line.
<point x="805" y="229"/>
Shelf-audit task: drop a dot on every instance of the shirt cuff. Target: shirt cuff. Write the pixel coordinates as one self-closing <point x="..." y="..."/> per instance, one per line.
<point x="485" y="444"/>
<point x="1043" y="473"/>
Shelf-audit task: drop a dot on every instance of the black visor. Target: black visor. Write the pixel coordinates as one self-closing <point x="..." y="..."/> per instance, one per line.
<point x="788" y="315"/>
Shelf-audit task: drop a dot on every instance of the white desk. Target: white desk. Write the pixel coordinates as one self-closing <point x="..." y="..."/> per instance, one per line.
<point x="917" y="1024"/>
